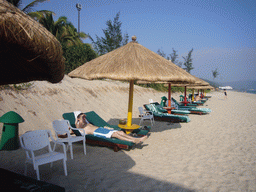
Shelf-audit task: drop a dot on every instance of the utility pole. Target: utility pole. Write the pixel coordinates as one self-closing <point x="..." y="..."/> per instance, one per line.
<point x="79" y="7"/>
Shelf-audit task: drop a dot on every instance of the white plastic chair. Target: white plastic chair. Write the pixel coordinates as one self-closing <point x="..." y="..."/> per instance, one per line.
<point x="151" y="101"/>
<point x="146" y="115"/>
<point x="61" y="127"/>
<point x="35" y="140"/>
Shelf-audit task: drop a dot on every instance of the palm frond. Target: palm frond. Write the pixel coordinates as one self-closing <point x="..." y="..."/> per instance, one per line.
<point x="32" y="4"/>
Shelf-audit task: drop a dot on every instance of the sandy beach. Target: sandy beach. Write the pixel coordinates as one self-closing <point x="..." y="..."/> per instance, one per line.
<point x="214" y="152"/>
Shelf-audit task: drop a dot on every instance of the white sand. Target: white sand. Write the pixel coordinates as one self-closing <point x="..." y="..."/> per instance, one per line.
<point x="215" y="152"/>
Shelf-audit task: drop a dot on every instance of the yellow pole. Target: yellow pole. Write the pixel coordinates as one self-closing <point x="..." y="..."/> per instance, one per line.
<point x="129" y="117"/>
<point x="193" y="97"/>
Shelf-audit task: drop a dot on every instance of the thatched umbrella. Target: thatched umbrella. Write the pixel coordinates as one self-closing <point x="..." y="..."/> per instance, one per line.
<point x="131" y="62"/>
<point x="199" y="82"/>
<point x="200" y="87"/>
<point x="28" y="51"/>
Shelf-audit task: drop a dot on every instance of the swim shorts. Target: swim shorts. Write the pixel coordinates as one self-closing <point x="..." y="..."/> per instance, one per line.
<point x="104" y="133"/>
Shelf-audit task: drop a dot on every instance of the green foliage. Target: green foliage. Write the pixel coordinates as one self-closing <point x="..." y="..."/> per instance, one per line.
<point x="16" y="87"/>
<point x="161" y="53"/>
<point x="27" y="9"/>
<point x="113" y="37"/>
<point x="62" y="29"/>
<point x="174" y="58"/>
<point x="188" y="61"/>
<point x="161" y="87"/>
<point x="77" y="55"/>
<point x="215" y="73"/>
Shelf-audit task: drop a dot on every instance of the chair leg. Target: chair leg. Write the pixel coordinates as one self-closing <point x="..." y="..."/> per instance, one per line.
<point x="140" y="121"/>
<point x="65" y="167"/>
<point x="26" y="168"/>
<point x="71" y="151"/>
<point x="54" y="146"/>
<point x="84" y="146"/>
<point x="152" y="122"/>
<point x="37" y="173"/>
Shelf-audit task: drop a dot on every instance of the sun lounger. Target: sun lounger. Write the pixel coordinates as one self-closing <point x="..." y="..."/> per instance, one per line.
<point x="96" y="120"/>
<point x="161" y="115"/>
<point x="174" y="111"/>
<point x="193" y="110"/>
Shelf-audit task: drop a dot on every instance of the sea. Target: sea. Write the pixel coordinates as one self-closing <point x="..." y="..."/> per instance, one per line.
<point x="253" y="91"/>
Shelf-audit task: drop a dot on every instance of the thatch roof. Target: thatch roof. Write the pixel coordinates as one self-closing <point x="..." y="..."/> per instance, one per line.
<point x="28" y="51"/>
<point x="132" y="62"/>
<point x="198" y="82"/>
<point x="201" y="87"/>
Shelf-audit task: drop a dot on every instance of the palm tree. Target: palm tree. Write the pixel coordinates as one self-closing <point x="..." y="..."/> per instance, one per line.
<point x="62" y="29"/>
<point x="215" y="73"/>
<point x="28" y="8"/>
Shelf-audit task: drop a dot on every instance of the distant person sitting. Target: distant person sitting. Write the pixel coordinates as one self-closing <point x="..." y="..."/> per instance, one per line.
<point x="81" y="122"/>
<point x="197" y="98"/>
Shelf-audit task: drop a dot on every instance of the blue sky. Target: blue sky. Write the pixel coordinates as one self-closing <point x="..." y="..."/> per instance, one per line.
<point x="222" y="33"/>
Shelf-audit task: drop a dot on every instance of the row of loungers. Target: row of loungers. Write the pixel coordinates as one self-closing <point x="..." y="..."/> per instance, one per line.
<point x="191" y="109"/>
<point x="160" y="114"/>
<point x="178" y="115"/>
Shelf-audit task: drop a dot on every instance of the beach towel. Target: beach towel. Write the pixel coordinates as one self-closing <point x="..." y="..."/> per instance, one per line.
<point x="104" y="133"/>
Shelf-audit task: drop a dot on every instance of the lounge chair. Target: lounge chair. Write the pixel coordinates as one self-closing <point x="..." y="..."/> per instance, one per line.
<point x="174" y="111"/>
<point x="200" y="102"/>
<point x="193" y="110"/>
<point x="161" y="115"/>
<point x="96" y="120"/>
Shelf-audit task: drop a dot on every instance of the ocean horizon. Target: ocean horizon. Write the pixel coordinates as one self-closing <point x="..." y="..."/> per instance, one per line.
<point x="253" y="91"/>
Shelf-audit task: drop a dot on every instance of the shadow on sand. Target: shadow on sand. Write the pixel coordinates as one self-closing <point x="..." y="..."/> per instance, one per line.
<point x="100" y="170"/>
<point x="159" y="126"/>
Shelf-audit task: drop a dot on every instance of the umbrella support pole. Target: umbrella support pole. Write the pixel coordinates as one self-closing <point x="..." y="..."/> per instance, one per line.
<point x="129" y="117"/>
<point x="193" y="96"/>
<point x="169" y="95"/>
<point x="129" y="127"/>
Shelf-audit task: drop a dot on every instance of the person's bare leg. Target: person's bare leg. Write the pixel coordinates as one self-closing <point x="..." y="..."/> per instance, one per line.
<point x="126" y="137"/>
<point x="121" y="137"/>
<point x="141" y="139"/>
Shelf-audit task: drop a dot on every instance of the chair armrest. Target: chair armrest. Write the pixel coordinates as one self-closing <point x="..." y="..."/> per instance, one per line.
<point x="79" y="129"/>
<point x="147" y="111"/>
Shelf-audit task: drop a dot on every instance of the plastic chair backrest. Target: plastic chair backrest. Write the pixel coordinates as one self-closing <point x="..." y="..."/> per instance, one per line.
<point x="141" y="110"/>
<point x="35" y="140"/>
<point x="61" y="126"/>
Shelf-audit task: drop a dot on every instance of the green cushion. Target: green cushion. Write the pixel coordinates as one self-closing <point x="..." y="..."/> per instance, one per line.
<point x="180" y="111"/>
<point x="204" y="110"/>
<point x="156" y="113"/>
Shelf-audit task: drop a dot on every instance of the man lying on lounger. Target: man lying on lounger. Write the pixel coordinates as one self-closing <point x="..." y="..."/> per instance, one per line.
<point x="81" y="122"/>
